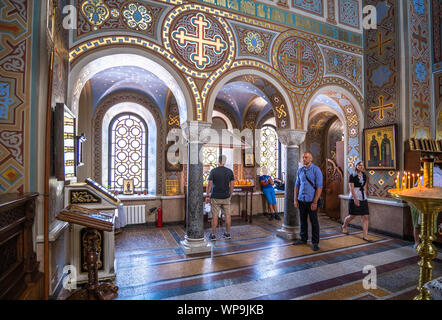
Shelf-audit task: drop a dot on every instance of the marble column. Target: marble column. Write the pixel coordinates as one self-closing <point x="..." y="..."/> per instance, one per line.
<point x="291" y="139"/>
<point x="194" y="240"/>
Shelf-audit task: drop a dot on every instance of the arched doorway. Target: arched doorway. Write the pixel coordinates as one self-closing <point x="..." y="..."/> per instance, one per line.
<point x="333" y="120"/>
<point x="140" y="82"/>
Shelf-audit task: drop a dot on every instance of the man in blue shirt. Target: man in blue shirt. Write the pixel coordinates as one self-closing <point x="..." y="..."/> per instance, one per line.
<point x="308" y="189"/>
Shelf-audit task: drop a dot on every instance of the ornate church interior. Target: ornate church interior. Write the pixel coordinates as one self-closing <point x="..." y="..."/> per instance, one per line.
<point x="115" y="116"/>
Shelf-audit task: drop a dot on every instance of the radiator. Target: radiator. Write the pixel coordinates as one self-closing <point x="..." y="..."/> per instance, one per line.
<point x="135" y="214"/>
<point x="280" y="204"/>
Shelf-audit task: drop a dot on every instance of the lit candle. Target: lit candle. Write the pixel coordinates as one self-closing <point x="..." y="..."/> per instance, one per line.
<point x="413" y="181"/>
<point x="397" y="181"/>
<point x="409" y="178"/>
<point x="403" y="180"/>
<point x="418" y="180"/>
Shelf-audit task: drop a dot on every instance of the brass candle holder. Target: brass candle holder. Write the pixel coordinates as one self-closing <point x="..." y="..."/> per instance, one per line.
<point x="428" y="200"/>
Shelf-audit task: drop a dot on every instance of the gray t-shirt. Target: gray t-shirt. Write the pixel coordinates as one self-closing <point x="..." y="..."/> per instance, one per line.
<point x="221" y="178"/>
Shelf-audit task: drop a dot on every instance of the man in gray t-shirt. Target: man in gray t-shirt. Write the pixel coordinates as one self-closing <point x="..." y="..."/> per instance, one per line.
<point x="219" y="192"/>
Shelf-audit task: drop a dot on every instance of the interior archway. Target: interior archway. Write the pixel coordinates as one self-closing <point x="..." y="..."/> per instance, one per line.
<point x="344" y="105"/>
<point x="275" y="93"/>
<point x="86" y="67"/>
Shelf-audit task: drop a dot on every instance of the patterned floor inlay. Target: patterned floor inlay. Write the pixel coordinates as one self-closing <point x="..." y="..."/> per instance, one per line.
<point x="256" y="264"/>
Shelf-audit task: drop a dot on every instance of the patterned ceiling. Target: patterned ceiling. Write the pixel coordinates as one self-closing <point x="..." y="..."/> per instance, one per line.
<point x="238" y="94"/>
<point x="128" y="78"/>
<point x="324" y="100"/>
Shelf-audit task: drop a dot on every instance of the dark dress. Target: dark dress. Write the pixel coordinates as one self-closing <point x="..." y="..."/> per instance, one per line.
<point x="362" y="209"/>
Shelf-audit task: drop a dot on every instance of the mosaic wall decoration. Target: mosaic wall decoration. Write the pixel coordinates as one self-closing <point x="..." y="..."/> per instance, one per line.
<point x="331" y="11"/>
<point x="420" y="68"/>
<point x="382" y="85"/>
<point x="95" y="11"/>
<point x="298" y="61"/>
<point x="311" y="6"/>
<point x="382" y="69"/>
<point x="110" y="15"/>
<point x="199" y="40"/>
<point x="253" y="43"/>
<point x="349" y="13"/>
<point x="287" y="18"/>
<point x="345" y="65"/>
<point x="437" y="34"/>
<point x="136" y="16"/>
<point x="17" y="100"/>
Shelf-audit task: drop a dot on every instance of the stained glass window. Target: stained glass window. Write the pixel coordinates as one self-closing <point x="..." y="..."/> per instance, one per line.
<point x="128" y="151"/>
<point x="210" y="161"/>
<point x="269" y="155"/>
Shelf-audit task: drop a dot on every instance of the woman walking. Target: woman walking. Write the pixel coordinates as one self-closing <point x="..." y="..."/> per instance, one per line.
<point x="358" y="205"/>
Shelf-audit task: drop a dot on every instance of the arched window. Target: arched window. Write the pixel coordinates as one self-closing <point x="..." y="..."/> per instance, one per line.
<point x="210" y="161"/>
<point x="270" y="156"/>
<point x="212" y="153"/>
<point x="128" y="138"/>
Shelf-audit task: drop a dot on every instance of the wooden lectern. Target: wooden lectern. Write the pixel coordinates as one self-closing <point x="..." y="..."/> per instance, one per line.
<point x="94" y="221"/>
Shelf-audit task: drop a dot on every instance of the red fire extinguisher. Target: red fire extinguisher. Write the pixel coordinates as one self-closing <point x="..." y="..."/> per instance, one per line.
<point x="159" y="218"/>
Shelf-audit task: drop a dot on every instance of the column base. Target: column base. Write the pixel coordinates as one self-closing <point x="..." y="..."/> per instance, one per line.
<point x="194" y="246"/>
<point x="288" y="233"/>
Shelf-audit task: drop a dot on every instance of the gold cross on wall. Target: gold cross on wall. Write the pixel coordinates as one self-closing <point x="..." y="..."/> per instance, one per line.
<point x="419" y="37"/>
<point x="381" y="107"/>
<point x="182" y="38"/>
<point x="286" y="59"/>
<point x="381" y="44"/>
<point x="421" y="105"/>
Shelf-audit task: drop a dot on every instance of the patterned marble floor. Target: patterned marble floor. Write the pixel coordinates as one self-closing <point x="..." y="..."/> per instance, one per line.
<point x="256" y="264"/>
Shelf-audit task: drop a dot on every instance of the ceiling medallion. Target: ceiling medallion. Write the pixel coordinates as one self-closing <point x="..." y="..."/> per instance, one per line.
<point x="137" y="16"/>
<point x="95" y="11"/>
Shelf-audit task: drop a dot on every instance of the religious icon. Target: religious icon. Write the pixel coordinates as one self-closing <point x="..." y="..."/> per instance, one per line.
<point x="380" y="148"/>
<point x="412" y="143"/>
<point x="128" y="186"/>
<point x="174" y="160"/>
<point x="249" y="158"/>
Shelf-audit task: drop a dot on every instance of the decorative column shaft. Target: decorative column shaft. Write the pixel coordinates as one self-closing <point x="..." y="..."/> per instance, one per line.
<point x="291" y="139"/>
<point x="194" y="241"/>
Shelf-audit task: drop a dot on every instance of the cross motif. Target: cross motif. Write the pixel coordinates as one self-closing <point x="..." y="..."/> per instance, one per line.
<point x="182" y="38"/>
<point x="381" y="107"/>
<point x="281" y="112"/>
<point x="381" y="43"/>
<point x="419" y="37"/>
<point x="286" y="59"/>
<point x="421" y="105"/>
<point x="174" y="120"/>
